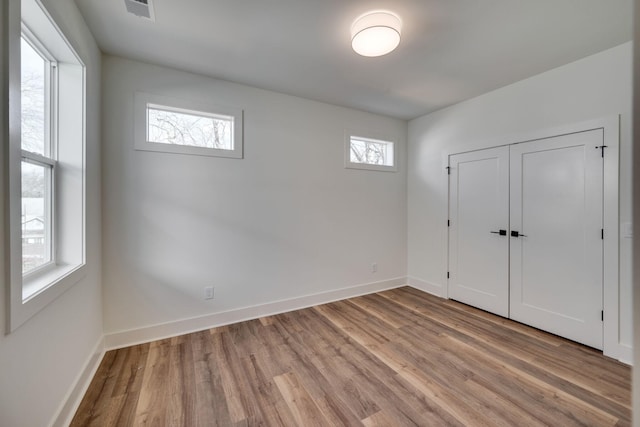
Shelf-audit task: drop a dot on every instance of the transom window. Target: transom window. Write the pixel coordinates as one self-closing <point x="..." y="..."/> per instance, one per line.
<point x="166" y="125"/>
<point x="171" y="125"/>
<point x="369" y="153"/>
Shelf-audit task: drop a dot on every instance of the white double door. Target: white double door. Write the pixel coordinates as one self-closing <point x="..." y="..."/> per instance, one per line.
<point x="525" y="234"/>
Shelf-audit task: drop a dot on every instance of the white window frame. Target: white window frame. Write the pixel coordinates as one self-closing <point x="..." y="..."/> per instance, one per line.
<point x="372" y="137"/>
<point x="32" y="292"/>
<point x="143" y="101"/>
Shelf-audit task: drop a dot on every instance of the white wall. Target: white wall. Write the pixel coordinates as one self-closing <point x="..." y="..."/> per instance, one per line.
<point x="42" y="361"/>
<point x="594" y="87"/>
<point x="286" y="221"/>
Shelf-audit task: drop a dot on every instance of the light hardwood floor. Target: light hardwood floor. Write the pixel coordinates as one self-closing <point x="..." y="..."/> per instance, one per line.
<point x="396" y="358"/>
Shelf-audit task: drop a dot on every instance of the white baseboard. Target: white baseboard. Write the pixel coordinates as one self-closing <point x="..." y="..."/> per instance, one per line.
<point x="184" y="326"/>
<point x="431" y="288"/>
<point x="625" y="354"/>
<point x="72" y="401"/>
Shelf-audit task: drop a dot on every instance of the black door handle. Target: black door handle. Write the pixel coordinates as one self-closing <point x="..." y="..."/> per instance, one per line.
<point x="501" y="232"/>
<point x="517" y="234"/>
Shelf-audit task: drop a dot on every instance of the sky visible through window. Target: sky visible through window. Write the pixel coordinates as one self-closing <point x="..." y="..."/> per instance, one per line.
<point x="371" y="151"/>
<point x="35" y="217"/>
<point x="180" y="128"/>
<point x="33" y="99"/>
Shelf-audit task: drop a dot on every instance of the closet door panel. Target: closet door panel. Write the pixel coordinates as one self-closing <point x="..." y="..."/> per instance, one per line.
<point x="479" y="209"/>
<point x="556" y="246"/>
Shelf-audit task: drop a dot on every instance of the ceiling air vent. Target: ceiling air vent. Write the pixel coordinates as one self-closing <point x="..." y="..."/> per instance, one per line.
<point x="140" y="8"/>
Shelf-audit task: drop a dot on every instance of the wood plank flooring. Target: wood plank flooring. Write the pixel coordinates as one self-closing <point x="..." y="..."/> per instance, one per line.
<point x="396" y="358"/>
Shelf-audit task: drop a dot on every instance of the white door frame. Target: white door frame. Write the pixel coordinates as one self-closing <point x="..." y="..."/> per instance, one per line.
<point x="611" y="131"/>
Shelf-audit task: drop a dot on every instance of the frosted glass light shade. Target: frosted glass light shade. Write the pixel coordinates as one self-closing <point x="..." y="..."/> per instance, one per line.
<point x="375" y="33"/>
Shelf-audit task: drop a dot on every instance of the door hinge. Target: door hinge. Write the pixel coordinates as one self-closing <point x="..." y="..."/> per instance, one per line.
<point x="602" y="315"/>
<point x="448" y="168"/>
<point x="448" y="223"/>
<point x="447" y="274"/>
<point x="602" y="233"/>
<point x="601" y="148"/>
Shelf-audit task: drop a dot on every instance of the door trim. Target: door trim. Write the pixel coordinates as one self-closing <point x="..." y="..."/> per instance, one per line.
<point x="611" y="134"/>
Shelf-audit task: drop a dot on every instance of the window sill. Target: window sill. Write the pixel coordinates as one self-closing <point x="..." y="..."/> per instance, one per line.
<point x="367" y="166"/>
<point x="40" y="282"/>
<point x="188" y="149"/>
<point x="41" y="290"/>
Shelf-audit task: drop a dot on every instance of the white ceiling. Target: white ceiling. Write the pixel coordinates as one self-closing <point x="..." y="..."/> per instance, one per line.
<point x="451" y="50"/>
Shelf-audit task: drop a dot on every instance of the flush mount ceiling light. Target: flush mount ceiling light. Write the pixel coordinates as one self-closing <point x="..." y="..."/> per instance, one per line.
<point x="375" y="33"/>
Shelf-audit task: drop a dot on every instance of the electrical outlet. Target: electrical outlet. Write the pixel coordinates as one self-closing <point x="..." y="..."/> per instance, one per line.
<point x="374" y="267"/>
<point x="208" y="292"/>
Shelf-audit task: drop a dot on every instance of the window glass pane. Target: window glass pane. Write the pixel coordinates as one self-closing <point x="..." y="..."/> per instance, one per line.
<point x="33" y="99"/>
<point x="36" y="216"/>
<point x="181" y="128"/>
<point x="371" y="152"/>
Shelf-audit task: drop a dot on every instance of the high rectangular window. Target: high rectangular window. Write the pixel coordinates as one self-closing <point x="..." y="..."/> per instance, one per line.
<point x="369" y="153"/>
<point x="166" y="125"/>
<point x="171" y="125"/>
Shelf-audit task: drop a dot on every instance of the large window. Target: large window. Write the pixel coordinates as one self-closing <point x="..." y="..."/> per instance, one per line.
<point x="46" y="166"/>
<point x="172" y="125"/>
<point x="38" y="77"/>
<point x="363" y="152"/>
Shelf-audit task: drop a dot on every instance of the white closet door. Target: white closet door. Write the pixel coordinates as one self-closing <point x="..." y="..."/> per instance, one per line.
<point x="479" y="209"/>
<point x="556" y="262"/>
